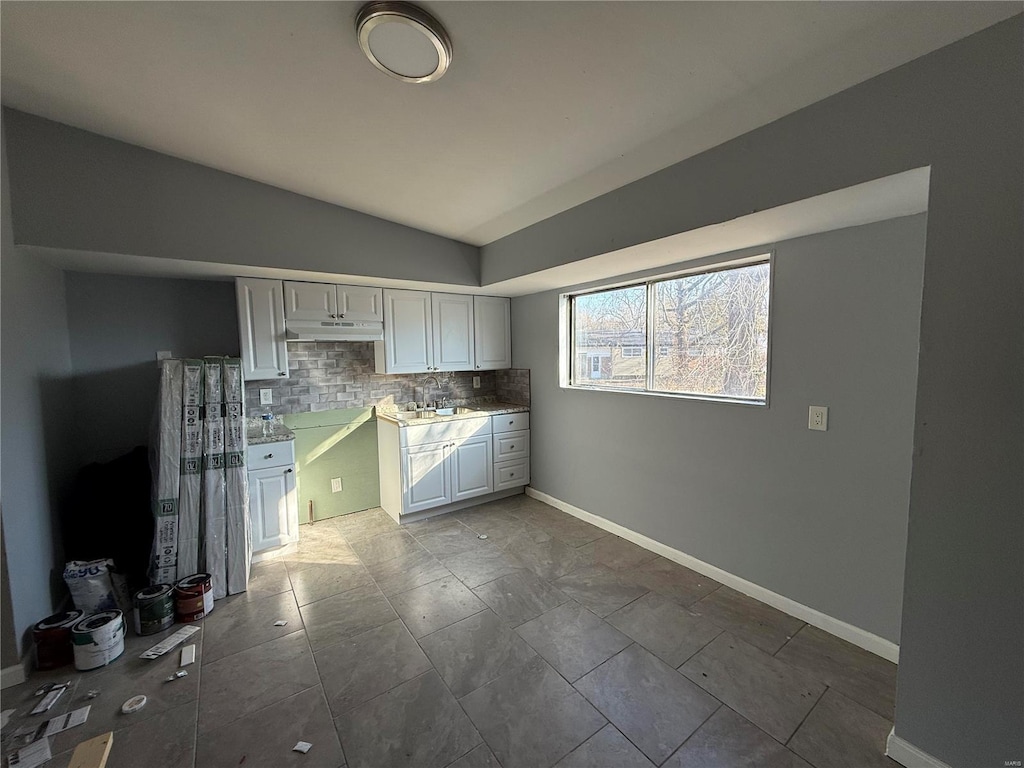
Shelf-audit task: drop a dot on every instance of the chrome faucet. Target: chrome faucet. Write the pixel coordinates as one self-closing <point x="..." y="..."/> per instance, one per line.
<point x="423" y="386"/>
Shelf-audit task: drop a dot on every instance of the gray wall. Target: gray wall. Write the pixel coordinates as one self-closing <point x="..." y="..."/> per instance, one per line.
<point x="961" y="111"/>
<point x="116" y="325"/>
<point x="34" y="413"/>
<point x="818" y="517"/>
<point x="74" y="189"/>
<point x="9" y="644"/>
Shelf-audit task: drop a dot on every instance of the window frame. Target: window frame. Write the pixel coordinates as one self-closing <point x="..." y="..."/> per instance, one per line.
<point x="567" y="342"/>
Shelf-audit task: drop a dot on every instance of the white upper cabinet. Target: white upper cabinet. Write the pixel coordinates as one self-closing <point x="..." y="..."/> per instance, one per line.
<point x="452" y="316"/>
<point x="261" y="328"/>
<point x="310" y="301"/>
<point x="426" y="332"/>
<point x="326" y="302"/>
<point x="492" y="317"/>
<point x="360" y="302"/>
<point x="408" y="335"/>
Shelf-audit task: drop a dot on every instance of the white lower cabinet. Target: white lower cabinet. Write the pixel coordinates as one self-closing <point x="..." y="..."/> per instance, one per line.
<point x="472" y="468"/>
<point x="273" y="502"/>
<point x="445" y="463"/>
<point x="426" y="477"/>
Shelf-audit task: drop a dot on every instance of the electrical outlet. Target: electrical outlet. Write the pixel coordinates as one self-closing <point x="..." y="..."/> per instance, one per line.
<point x="335" y="485"/>
<point x="476" y="382"/>
<point x="164" y="354"/>
<point x="817" y="418"/>
<point x="266" y="397"/>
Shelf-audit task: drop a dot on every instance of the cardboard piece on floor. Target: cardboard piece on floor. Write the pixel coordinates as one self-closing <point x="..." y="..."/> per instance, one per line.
<point x="170" y="642"/>
<point x="93" y="753"/>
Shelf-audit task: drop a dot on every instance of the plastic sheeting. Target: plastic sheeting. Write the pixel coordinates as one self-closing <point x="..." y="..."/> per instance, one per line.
<point x="166" y="473"/>
<point x="201" y="489"/>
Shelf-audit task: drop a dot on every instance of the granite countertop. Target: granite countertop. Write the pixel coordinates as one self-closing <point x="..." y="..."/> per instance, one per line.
<point x="281" y="433"/>
<point x="483" y="409"/>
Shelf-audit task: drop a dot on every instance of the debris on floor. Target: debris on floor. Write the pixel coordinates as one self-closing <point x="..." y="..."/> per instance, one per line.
<point x="134" y="704"/>
<point x="92" y="753"/>
<point x="280" y="623"/>
<point x="36" y="753"/>
<point x="188" y="655"/>
<point x="302" y="746"/>
<point x="167" y="644"/>
<point x="52" y="694"/>
<point x="179" y="674"/>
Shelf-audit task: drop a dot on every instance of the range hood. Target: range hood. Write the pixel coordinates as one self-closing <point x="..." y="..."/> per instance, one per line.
<point x="339" y="330"/>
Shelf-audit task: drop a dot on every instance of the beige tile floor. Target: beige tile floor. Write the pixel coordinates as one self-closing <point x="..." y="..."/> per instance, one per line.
<point x="549" y="642"/>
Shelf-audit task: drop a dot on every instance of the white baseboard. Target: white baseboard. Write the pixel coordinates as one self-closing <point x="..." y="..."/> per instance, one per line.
<point x="906" y="754"/>
<point x="860" y="637"/>
<point x="12" y="675"/>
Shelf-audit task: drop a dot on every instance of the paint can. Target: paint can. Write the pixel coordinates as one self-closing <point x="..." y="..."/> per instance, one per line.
<point x="52" y="638"/>
<point x="193" y="597"/>
<point x="154" y="609"/>
<point x="98" y="639"/>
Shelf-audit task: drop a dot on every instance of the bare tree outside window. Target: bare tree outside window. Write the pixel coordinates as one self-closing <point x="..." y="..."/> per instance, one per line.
<point x="715" y="326"/>
<point x="606" y="324"/>
<point x="709" y="332"/>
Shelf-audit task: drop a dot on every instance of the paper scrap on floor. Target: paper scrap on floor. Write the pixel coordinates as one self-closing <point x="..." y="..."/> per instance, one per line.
<point x="302" y="746"/>
<point x="35" y="754"/>
<point x="54" y="725"/>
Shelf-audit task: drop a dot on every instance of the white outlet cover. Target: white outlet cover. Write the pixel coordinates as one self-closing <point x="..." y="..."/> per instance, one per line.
<point x="817" y="418"/>
<point x="335" y="485"/>
<point x="266" y="397"/>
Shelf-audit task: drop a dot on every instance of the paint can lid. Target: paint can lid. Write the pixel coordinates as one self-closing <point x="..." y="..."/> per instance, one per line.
<point x="134" y="704"/>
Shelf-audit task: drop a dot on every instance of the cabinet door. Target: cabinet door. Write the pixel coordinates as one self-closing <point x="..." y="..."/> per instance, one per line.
<point x="360" y="302"/>
<point x="425" y="477"/>
<point x="273" y="507"/>
<point x="452" y="316"/>
<point x="472" y="470"/>
<point x="408" y="346"/>
<point x="310" y="301"/>
<point x="261" y="328"/>
<point x="493" y="332"/>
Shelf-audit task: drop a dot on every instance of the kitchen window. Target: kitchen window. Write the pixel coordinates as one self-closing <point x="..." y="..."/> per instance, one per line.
<point x="700" y="334"/>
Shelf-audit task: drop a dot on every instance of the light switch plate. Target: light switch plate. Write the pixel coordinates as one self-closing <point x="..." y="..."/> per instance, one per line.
<point x="817" y="417"/>
<point x="266" y="397"/>
<point x="336" y="485"/>
<point x="476" y="382"/>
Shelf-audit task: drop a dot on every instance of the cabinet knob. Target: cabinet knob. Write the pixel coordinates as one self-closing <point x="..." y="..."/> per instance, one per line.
<point x="282" y="373"/>
<point x="269" y="456"/>
<point x="342" y="316"/>
<point x="332" y="316"/>
<point x="288" y="470"/>
<point x="478" y="366"/>
<point x="511" y="423"/>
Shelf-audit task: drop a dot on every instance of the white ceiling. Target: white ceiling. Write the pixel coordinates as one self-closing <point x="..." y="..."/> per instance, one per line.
<point x="546" y="105"/>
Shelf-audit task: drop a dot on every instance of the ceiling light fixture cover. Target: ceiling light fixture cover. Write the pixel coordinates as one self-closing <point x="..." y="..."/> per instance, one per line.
<point x="404" y="41"/>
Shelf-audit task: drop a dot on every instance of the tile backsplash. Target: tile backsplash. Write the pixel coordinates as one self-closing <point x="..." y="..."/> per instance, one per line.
<point x="324" y="376"/>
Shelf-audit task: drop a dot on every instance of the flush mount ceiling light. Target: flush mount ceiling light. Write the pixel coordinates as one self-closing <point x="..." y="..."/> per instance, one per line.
<point x="404" y="41"/>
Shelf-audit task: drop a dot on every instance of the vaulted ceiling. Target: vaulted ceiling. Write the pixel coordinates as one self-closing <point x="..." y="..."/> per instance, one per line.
<point x="546" y="105"/>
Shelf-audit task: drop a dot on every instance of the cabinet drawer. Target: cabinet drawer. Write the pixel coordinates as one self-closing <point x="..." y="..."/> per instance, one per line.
<point x="439" y="432"/>
<point x="509" y="474"/>
<point x="511" y="445"/>
<point x="270" y="455"/>
<point x="510" y="422"/>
